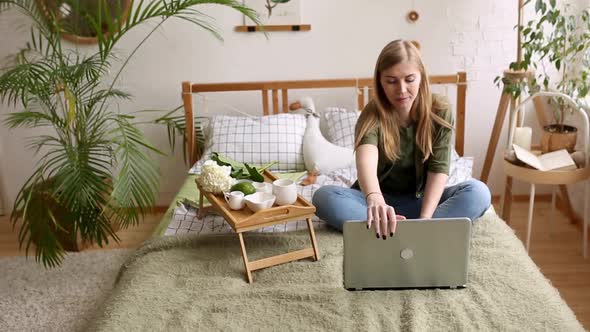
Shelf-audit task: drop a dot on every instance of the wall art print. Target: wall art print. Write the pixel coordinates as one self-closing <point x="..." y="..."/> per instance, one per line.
<point x="275" y="12"/>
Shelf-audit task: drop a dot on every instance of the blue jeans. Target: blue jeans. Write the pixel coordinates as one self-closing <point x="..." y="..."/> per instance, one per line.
<point x="335" y="204"/>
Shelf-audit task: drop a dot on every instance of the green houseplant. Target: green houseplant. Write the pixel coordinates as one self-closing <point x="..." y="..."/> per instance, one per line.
<point x="556" y="48"/>
<point x="94" y="172"/>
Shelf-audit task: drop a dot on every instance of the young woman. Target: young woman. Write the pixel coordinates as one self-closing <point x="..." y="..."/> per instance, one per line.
<point x="403" y="147"/>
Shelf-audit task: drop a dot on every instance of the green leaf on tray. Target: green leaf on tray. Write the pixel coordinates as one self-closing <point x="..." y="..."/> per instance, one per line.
<point x="254" y="174"/>
<point x="241" y="170"/>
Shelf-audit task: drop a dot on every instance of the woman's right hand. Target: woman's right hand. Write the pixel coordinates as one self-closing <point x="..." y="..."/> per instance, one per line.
<point x="381" y="216"/>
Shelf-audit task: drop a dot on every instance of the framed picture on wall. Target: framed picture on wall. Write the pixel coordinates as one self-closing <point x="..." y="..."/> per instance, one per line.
<point x="275" y="12"/>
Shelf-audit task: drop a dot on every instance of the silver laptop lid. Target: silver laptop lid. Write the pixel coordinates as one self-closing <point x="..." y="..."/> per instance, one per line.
<point x="422" y="253"/>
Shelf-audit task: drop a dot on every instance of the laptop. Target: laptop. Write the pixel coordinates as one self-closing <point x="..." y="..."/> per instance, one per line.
<point x="423" y="253"/>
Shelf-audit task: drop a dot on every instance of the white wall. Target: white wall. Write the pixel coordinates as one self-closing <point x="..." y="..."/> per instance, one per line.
<point x="345" y="40"/>
<point x="576" y="191"/>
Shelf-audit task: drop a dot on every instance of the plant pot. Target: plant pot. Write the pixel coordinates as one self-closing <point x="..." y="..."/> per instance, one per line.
<point x="556" y="137"/>
<point x="64" y="232"/>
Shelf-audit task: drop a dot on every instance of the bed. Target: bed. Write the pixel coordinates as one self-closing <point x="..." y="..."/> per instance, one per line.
<point x="181" y="217"/>
<point x="189" y="276"/>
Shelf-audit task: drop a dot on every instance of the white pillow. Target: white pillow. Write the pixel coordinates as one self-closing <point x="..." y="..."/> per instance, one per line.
<point x="340" y="125"/>
<point x="258" y="140"/>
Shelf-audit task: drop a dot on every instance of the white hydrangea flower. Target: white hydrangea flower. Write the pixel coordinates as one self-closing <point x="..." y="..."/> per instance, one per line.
<point x="215" y="178"/>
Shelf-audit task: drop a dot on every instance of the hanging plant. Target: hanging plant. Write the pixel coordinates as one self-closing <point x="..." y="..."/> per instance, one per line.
<point x="556" y="46"/>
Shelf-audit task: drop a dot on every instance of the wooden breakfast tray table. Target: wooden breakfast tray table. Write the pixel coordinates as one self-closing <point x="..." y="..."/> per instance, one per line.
<point x="245" y="220"/>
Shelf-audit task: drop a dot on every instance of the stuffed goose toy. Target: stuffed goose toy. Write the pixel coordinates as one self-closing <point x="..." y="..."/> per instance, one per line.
<point x="320" y="156"/>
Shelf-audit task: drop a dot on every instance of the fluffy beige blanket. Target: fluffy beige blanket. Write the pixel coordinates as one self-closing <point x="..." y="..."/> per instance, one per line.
<point x="191" y="283"/>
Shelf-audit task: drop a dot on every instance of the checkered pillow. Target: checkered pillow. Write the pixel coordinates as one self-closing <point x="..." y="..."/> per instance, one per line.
<point x="258" y="140"/>
<point x="340" y="125"/>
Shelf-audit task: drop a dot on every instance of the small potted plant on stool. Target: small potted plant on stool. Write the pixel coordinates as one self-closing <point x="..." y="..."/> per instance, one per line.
<point x="556" y="47"/>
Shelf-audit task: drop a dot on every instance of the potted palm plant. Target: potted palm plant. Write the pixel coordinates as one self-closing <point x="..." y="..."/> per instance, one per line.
<point x="94" y="172"/>
<point x="556" y="47"/>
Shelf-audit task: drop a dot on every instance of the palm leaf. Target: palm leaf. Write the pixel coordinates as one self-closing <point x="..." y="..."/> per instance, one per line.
<point x="23" y="81"/>
<point x="138" y="177"/>
<point x="143" y="11"/>
<point x="28" y="119"/>
<point x="37" y="219"/>
<point x="176" y="127"/>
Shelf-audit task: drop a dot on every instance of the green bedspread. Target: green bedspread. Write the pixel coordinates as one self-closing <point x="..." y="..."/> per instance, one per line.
<point x="196" y="283"/>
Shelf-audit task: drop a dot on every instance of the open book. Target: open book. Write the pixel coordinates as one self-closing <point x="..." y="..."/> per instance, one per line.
<point x="556" y="160"/>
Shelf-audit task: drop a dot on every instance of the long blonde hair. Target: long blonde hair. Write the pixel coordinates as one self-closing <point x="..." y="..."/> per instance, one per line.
<point x="423" y="110"/>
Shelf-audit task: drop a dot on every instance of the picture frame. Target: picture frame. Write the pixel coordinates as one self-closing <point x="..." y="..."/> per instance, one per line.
<point x="274" y="15"/>
<point x="275" y="12"/>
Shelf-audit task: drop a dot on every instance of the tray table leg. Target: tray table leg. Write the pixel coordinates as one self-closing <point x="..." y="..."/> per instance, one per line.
<point x="314" y="243"/>
<point x="245" y="257"/>
<point x="200" y="214"/>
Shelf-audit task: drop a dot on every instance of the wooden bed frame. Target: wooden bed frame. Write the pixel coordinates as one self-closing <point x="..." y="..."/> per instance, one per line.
<point x="363" y="85"/>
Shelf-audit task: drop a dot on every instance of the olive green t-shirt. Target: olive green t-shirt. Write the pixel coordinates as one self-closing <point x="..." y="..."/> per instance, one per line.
<point x="402" y="177"/>
<point x="410" y="168"/>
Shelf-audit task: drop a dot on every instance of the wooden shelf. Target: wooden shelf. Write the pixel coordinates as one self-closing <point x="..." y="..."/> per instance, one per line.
<point x="269" y="28"/>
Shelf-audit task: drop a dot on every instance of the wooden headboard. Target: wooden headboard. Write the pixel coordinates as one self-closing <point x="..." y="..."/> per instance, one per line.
<point x="272" y="88"/>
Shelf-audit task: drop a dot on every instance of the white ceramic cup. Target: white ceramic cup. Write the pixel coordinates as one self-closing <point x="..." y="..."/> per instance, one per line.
<point x="285" y="191"/>
<point x="235" y="200"/>
<point x="264" y="187"/>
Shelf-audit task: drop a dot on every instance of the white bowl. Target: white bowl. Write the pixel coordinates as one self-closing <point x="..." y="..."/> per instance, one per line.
<point x="259" y="201"/>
